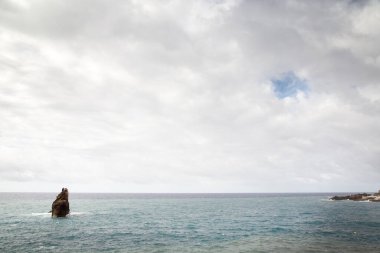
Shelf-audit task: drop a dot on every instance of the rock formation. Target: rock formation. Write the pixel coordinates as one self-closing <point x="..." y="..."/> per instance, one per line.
<point x="60" y="206"/>
<point x="359" y="197"/>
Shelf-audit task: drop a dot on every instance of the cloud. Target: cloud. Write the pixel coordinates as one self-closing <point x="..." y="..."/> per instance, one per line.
<point x="184" y="96"/>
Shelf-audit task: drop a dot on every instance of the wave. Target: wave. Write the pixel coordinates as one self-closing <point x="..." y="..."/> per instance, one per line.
<point x="46" y="214"/>
<point x="77" y="213"/>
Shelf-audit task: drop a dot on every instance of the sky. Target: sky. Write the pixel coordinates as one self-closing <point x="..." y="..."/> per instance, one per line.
<point x="189" y="96"/>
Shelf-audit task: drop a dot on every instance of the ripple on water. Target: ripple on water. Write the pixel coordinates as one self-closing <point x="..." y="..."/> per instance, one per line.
<point x="192" y="224"/>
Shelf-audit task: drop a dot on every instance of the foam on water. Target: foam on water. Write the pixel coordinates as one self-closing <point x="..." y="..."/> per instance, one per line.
<point x="46" y="214"/>
<point x="78" y="213"/>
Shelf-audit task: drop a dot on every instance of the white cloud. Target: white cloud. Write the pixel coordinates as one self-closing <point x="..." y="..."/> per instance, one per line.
<point x="177" y="96"/>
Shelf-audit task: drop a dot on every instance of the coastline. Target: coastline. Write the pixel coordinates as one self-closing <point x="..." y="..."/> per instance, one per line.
<point x="375" y="197"/>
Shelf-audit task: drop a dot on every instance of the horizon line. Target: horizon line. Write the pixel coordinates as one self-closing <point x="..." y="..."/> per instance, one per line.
<point x="300" y="192"/>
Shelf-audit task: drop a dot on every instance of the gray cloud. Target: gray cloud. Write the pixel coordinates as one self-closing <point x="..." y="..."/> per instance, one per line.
<point x="177" y="96"/>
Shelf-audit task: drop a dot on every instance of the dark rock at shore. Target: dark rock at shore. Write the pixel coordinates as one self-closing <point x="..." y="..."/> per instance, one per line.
<point x="359" y="197"/>
<point x="340" y="197"/>
<point x="61" y="206"/>
<point x="351" y="197"/>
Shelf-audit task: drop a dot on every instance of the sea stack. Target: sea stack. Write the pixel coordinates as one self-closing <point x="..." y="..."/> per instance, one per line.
<point x="60" y="206"/>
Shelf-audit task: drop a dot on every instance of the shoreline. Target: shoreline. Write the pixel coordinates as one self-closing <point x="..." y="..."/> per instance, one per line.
<point x="375" y="197"/>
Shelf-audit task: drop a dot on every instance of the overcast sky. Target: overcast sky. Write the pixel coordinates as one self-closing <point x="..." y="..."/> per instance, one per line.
<point x="189" y="96"/>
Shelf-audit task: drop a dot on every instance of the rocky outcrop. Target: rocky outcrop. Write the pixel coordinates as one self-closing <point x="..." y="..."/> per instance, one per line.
<point x="60" y="206"/>
<point x="359" y="197"/>
<point x="354" y="197"/>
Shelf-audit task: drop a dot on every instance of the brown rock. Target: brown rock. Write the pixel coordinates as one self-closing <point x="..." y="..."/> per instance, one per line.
<point x="356" y="197"/>
<point x="60" y="206"/>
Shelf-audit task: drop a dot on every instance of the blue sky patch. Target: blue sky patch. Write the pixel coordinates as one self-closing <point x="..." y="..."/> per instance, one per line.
<point x="288" y="84"/>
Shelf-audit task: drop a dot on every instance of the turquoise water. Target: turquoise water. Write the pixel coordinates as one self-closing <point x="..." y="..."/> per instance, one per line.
<point x="189" y="223"/>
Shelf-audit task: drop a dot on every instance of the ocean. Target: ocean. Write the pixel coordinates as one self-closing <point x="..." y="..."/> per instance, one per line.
<point x="189" y="223"/>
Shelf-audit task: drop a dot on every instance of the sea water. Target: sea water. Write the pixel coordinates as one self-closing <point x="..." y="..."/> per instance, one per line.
<point x="189" y="223"/>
